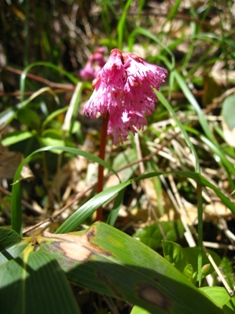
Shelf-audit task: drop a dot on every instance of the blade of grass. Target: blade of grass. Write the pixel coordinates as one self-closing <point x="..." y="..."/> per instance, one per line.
<point x="197" y="170"/>
<point x="219" y="155"/>
<point x="121" y="24"/>
<point x="144" y="32"/>
<point x="94" y="203"/>
<point x="16" y="211"/>
<point x="90" y="207"/>
<point x="115" y="210"/>
<point x="172" y="12"/>
<point x="8" y="115"/>
<point x="45" y="64"/>
<point x="189" y="95"/>
<point x="73" y="109"/>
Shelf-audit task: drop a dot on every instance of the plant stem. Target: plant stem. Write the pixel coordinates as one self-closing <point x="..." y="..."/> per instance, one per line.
<point x="100" y="184"/>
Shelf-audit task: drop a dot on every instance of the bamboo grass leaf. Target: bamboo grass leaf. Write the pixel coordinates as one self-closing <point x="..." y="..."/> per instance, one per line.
<point x="34" y="283"/>
<point x="106" y="260"/>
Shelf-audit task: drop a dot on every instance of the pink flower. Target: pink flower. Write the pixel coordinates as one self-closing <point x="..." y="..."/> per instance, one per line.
<point x="123" y="90"/>
<point x="94" y="64"/>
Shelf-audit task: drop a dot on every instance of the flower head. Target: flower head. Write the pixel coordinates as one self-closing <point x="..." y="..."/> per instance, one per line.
<point x="123" y="90"/>
<point x="94" y="64"/>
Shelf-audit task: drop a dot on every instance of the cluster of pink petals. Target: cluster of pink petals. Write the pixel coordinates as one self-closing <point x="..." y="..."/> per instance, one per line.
<point x="94" y="64"/>
<point x="123" y="91"/>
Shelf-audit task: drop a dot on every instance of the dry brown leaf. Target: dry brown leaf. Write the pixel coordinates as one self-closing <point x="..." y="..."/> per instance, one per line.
<point x="9" y="162"/>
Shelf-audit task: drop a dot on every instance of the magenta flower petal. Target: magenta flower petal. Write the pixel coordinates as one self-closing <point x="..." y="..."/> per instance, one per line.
<point x="94" y="64"/>
<point x="88" y="73"/>
<point x="123" y="89"/>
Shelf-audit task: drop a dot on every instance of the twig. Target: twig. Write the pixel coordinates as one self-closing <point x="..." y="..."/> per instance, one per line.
<point x="70" y="87"/>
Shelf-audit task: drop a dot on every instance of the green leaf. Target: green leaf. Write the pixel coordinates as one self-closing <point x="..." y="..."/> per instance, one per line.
<point x="228" y="111"/>
<point x="207" y="268"/>
<point x="122" y="24"/>
<point x="197" y="170"/>
<point x="53" y="115"/>
<point x="8" y="238"/>
<point x="174" y="253"/>
<point x="93" y="204"/>
<point x="185" y="259"/>
<point x="52" y="137"/>
<point x="16" y="137"/>
<point x="121" y="160"/>
<point x="154" y="234"/>
<point x="90" y="207"/>
<point x="138" y="310"/>
<point x="217" y="294"/>
<point x="9" y="114"/>
<point x="229" y="307"/>
<point x="188" y="272"/>
<point x="11" y="245"/>
<point x="34" y="283"/>
<point x="71" y="114"/>
<point x="144" y="32"/>
<point x="227" y="270"/>
<point x="16" y="214"/>
<point x="12" y="252"/>
<point x="106" y="260"/>
<point x="202" y="119"/>
<point x="29" y="117"/>
<point x="43" y="64"/>
<point x="116" y="207"/>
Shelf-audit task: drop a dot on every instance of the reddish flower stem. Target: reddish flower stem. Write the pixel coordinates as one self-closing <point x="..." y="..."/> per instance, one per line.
<point x="100" y="183"/>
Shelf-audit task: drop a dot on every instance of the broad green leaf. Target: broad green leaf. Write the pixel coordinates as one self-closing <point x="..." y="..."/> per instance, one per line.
<point x="52" y="137"/>
<point x="188" y="272"/>
<point x="138" y="310"/>
<point x="29" y="117"/>
<point x="8" y="238"/>
<point x="185" y="259"/>
<point x="122" y="159"/>
<point x="217" y="294"/>
<point x="34" y="283"/>
<point x="228" y="121"/>
<point x="207" y="268"/>
<point x="13" y="252"/>
<point x="228" y="111"/>
<point x="154" y="234"/>
<point x="11" y="245"/>
<point x="15" y="137"/>
<point x="229" y="307"/>
<point x="174" y="253"/>
<point x="106" y="260"/>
